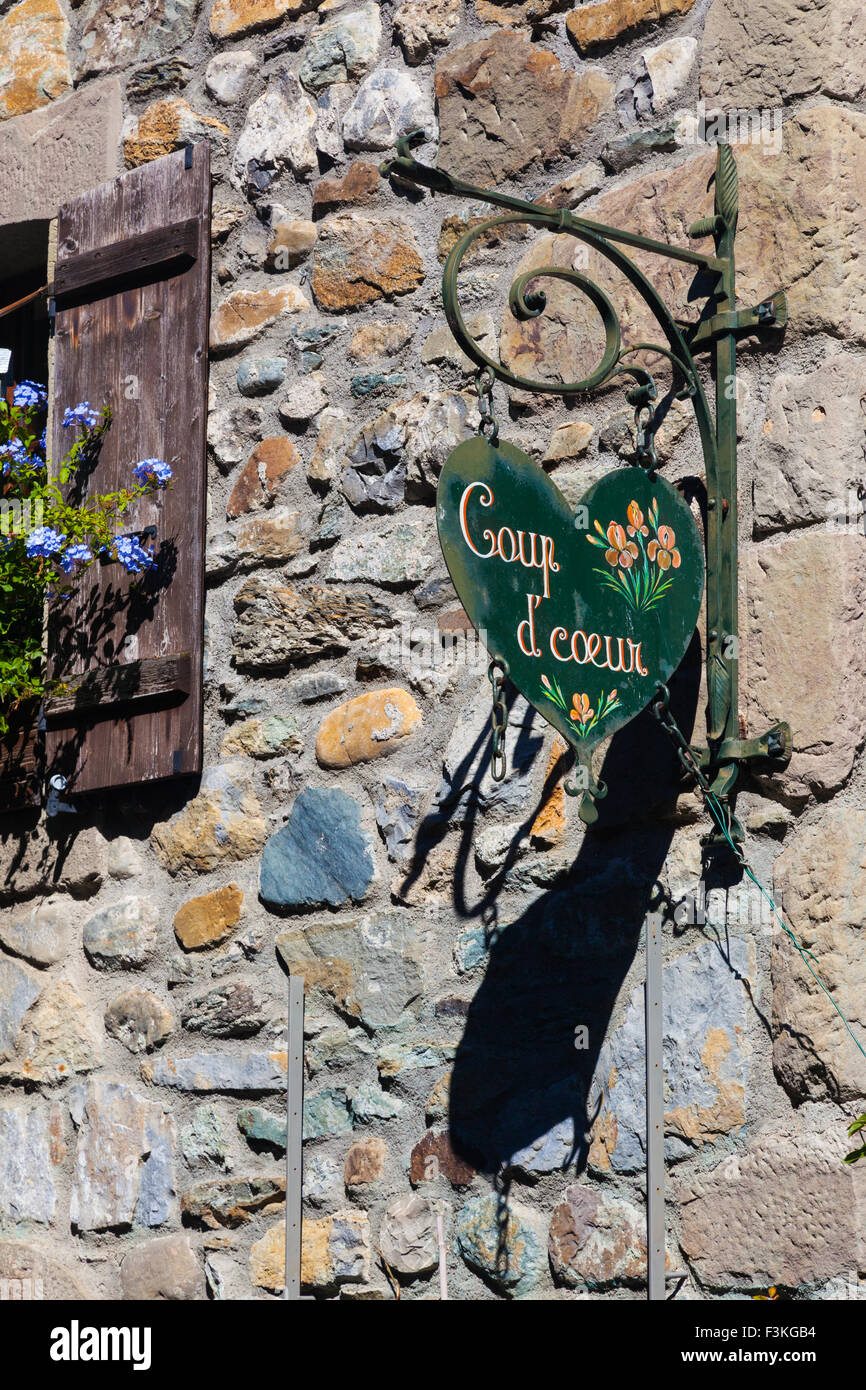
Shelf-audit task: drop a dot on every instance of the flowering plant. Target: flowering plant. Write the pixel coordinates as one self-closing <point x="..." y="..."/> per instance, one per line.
<point x="49" y="534"/>
<point x="641" y="570"/>
<point x="584" y="716"/>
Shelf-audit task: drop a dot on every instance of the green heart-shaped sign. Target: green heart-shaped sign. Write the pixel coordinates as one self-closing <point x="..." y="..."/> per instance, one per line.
<point x="590" y="607"/>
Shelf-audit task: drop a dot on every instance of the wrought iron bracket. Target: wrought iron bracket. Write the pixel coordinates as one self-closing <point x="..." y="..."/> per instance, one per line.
<point x="770" y="313"/>
<point x="716" y="331"/>
<point x="774" y="745"/>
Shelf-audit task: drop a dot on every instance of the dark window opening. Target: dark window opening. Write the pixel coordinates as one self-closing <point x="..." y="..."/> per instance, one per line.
<point x="24" y="329"/>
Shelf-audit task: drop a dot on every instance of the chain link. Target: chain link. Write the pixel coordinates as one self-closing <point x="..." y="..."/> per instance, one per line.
<point x="498" y="718"/>
<point x="720" y="811"/>
<point x="488" y="425"/>
<point x="645" y="449"/>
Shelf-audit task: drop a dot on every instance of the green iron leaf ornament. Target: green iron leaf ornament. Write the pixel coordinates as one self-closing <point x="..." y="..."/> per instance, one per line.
<point x="590" y="608"/>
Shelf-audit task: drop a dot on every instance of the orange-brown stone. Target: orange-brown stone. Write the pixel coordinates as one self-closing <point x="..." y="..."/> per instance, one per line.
<point x="358" y="185"/>
<point x="34" y="68"/>
<point x="168" y="125"/>
<point x="455" y="620"/>
<point x="263" y="476"/>
<point x="366" y="728"/>
<point x="549" y="824"/>
<point x="291" y="242"/>
<point x="433" y="1157"/>
<point x="208" y="919"/>
<point x="599" y="24"/>
<point x="229" y="18"/>
<point x="277" y="536"/>
<point x="246" y="312"/>
<point x="365" y="1162"/>
<point x="360" y="260"/>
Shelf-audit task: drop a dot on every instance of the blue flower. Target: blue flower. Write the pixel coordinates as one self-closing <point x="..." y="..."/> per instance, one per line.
<point x="13" y="452"/>
<point x="132" y="555"/>
<point x="77" y="554"/>
<point x="45" y="540"/>
<point x="152" y="471"/>
<point x="29" y="394"/>
<point x="81" y="414"/>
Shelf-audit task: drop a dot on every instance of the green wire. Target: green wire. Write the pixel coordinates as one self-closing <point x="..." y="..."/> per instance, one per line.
<point x="807" y="956"/>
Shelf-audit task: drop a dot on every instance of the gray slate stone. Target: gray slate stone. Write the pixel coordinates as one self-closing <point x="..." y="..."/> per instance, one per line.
<point x="398" y="811"/>
<point x="369" y="1102"/>
<point x="122" y="936"/>
<point x="506" y="1245"/>
<point x="380" y="968"/>
<point x="40" y="934"/>
<point x="326" y="1114"/>
<point x="203" y="1140"/>
<point x="397" y="554"/>
<point x="139" y="1020"/>
<point x="217" y="1071"/>
<point x="318" y="685"/>
<point x="467" y="777"/>
<point x="389" y="103"/>
<point x="123" y="1169"/>
<point x="341" y="48"/>
<point x="27" y="1191"/>
<point x="320" y="856"/>
<point x="258" y="376"/>
<point x="19" y="987"/>
<point x="702" y="996"/>
<point x="407" y="1236"/>
<point x="321" y="1179"/>
<point x="233" y="1010"/>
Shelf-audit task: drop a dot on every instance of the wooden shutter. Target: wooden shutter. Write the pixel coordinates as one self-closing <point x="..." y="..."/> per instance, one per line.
<point x="132" y="288"/>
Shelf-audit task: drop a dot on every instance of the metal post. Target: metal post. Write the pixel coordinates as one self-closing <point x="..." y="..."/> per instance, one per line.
<point x="655" y="1137"/>
<point x="294" y="1135"/>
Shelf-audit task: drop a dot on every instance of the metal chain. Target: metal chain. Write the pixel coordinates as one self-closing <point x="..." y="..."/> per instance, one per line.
<point x="488" y="425"/>
<point x="645" y="449"/>
<point x="720" y="811"/>
<point x="498" y="718"/>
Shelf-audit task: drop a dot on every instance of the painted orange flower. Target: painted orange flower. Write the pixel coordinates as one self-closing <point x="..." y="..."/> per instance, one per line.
<point x="581" y="710"/>
<point x="622" y="551"/>
<point x="664" y="549"/>
<point x="636" y="522"/>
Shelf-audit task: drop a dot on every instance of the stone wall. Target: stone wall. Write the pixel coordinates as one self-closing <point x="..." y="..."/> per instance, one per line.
<point x="472" y="959"/>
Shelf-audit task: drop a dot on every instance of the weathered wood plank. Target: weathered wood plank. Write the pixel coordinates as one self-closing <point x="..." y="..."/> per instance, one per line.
<point x="142" y="349"/>
<point x="167" y="248"/>
<point x="108" y="688"/>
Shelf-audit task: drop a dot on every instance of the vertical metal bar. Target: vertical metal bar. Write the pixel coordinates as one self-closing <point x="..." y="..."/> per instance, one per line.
<point x="655" y="1139"/>
<point x="294" y="1135"/>
<point x="443" y="1255"/>
<point x="722" y="519"/>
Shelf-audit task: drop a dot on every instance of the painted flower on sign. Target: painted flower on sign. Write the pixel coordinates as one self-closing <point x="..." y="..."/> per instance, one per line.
<point x="581" y="710"/>
<point x="636" y="521"/>
<point x="663" y="550"/>
<point x="621" y="551"/>
<point x="639" y="568"/>
<point x="583" y="715"/>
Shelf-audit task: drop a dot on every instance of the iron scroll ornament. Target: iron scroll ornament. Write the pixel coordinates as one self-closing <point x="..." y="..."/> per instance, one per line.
<point x="716" y="330"/>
